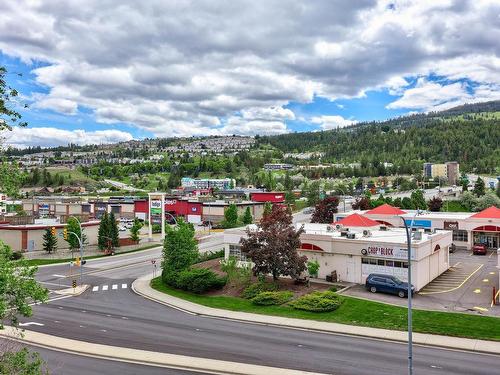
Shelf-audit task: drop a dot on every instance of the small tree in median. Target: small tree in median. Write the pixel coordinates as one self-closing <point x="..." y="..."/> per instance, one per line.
<point x="49" y="241"/>
<point x="324" y="210"/>
<point x="273" y="246"/>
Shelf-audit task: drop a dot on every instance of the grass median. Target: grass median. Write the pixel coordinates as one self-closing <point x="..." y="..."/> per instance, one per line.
<point x="43" y="262"/>
<point x="359" y="312"/>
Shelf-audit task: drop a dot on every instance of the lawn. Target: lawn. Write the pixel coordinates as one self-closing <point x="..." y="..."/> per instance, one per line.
<point x="43" y="262"/>
<point x="453" y="206"/>
<point x="360" y="312"/>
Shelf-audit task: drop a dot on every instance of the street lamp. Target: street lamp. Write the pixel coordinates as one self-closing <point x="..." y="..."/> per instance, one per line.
<point x="343" y="196"/>
<point x="409" y="292"/>
<point x="172" y="216"/>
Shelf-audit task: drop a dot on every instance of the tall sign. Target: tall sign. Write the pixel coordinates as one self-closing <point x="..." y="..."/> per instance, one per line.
<point x="156" y="213"/>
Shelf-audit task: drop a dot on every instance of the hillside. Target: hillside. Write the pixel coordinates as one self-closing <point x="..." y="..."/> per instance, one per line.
<point x="455" y="134"/>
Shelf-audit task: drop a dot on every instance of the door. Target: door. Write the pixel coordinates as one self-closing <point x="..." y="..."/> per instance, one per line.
<point x="351" y="270"/>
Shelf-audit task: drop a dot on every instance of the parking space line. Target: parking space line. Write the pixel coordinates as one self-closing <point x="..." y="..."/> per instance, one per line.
<point x="458" y="287"/>
<point x="491" y="254"/>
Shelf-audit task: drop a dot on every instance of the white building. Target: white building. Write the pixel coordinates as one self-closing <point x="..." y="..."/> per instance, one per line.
<point x="357" y="246"/>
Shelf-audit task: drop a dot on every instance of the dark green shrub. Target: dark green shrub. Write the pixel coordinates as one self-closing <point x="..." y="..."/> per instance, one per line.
<point x="16" y="255"/>
<point x="272" y="298"/>
<point x="209" y="256"/>
<point x="156" y="228"/>
<point x="252" y="290"/>
<point x="332" y="289"/>
<point x="318" y="302"/>
<point x="199" y="280"/>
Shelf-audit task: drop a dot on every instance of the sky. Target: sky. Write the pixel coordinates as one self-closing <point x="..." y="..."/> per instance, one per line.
<point x="104" y="71"/>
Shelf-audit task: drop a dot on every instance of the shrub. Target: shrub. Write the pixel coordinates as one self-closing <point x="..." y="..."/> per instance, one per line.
<point x="272" y="298"/>
<point x="210" y="255"/>
<point x="199" y="280"/>
<point x="16" y="255"/>
<point x="252" y="290"/>
<point x="313" y="268"/>
<point x="237" y="274"/>
<point x="318" y="302"/>
<point x="156" y="228"/>
<point x="332" y="289"/>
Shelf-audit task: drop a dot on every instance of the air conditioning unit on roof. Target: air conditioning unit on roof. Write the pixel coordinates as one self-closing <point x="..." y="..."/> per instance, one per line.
<point x="367" y="233"/>
<point x="339" y="226"/>
<point x="329" y="228"/>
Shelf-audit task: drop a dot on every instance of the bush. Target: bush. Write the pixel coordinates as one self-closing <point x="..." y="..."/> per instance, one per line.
<point x="209" y="256"/>
<point x="318" y="302"/>
<point x="16" y="255"/>
<point x="199" y="280"/>
<point x="156" y="228"/>
<point x="272" y="298"/>
<point x="256" y="288"/>
<point x="332" y="289"/>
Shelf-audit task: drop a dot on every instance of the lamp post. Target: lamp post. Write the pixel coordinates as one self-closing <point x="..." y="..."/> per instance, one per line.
<point x="172" y="216"/>
<point x="409" y="293"/>
<point x="343" y="196"/>
<point x="80" y="241"/>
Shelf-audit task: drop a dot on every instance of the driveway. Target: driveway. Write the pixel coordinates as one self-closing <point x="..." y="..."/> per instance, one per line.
<point x="466" y="287"/>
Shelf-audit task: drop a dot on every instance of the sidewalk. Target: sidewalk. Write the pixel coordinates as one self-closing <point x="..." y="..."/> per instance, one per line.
<point x="141" y="286"/>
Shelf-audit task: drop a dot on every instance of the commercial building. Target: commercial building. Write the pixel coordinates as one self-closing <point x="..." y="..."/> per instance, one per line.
<point x="208" y="183"/>
<point x="214" y="211"/>
<point x="277" y="166"/>
<point x="468" y="228"/>
<point x="268" y="196"/>
<point x="449" y="171"/>
<point x="356" y="246"/>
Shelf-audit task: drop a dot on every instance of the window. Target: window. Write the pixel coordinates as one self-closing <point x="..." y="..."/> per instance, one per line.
<point x="235" y="251"/>
<point x="364" y="261"/>
<point x="405" y="264"/>
<point x="380" y="262"/>
<point x="389" y="263"/>
<point x="460" y="235"/>
<point x="398" y="264"/>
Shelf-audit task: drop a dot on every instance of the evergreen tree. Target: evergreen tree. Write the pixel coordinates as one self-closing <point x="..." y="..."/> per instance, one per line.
<point x="134" y="231"/>
<point x="103" y="237"/>
<point x="49" y="241"/>
<point x="418" y="200"/>
<point x="113" y="230"/>
<point x="73" y="226"/>
<point x="479" y="187"/>
<point x="247" y="217"/>
<point x="231" y="216"/>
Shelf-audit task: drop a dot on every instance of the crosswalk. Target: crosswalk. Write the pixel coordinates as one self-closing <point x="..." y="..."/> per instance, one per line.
<point x="105" y="288"/>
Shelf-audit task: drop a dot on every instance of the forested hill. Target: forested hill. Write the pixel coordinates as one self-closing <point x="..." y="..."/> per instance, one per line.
<point x="467" y="134"/>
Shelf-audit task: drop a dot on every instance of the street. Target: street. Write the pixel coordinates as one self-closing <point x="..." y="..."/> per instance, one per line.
<point x="117" y="316"/>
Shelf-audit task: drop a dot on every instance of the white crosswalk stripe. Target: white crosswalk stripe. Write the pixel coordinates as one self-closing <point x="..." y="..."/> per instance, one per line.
<point x="114" y="287"/>
<point x="95" y="289"/>
<point x="104" y="287"/>
<point x="124" y="286"/>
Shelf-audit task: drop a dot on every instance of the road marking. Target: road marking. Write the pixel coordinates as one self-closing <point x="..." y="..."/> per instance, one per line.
<point x="95" y="289"/>
<point x="56" y="275"/>
<point x="124" y="286"/>
<point x="458" y="287"/>
<point x="492" y="273"/>
<point x="103" y="330"/>
<point x="477" y="291"/>
<point x="456" y="264"/>
<point x="480" y="308"/>
<point x="434" y="366"/>
<point x="104" y="287"/>
<point x="124" y="317"/>
<point x="114" y="287"/>
<point x="485" y="280"/>
<point x="491" y="254"/>
<point x="31" y="324"/>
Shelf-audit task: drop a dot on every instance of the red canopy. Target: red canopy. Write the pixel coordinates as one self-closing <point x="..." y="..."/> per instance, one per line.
<point x="385" y="209"/>
<point x="357" y="220"/>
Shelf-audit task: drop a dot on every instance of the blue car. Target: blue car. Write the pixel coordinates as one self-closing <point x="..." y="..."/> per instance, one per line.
<point x="387" y="284"/>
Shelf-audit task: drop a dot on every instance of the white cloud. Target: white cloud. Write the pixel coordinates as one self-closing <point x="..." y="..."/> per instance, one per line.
<point x="47" y="137"/>
<point x="184" y="68"/>
<point x="332" y="122"/>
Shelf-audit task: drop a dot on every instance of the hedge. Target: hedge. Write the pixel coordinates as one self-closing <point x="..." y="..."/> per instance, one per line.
<point x="272" y="298"/>
<point x="318" y="302"/>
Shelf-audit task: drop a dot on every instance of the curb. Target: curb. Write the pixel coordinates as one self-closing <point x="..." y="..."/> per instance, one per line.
<point x="143" y="357"/>
<point x="141" y="286"/>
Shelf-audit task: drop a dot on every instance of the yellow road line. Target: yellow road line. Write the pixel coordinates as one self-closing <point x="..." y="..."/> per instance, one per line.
<point x="458" y="287"/>
<point x="480" y="308"/>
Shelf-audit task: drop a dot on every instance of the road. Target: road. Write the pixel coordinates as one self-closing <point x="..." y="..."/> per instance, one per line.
<point x="122" y="186"/>
<point x="117" y="316"/>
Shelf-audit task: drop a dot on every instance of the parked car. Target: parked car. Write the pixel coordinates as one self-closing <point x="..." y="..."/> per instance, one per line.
<point x="387" y="284"/>
<point x="479" y="249"/>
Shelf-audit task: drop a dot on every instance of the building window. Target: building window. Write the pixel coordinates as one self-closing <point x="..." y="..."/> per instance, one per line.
<point x="384" y="262"/>
<point x="235" y="251"/>
<point x="460" y="235"/>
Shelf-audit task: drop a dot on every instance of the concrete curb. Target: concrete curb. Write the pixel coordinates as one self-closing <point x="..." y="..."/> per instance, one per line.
<point x="73" y="292"/>
<point x="144" y="357"/>
<point x="142" y="287"/>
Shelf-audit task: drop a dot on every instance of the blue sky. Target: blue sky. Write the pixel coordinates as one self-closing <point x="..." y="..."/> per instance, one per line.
<point x="114" y="71"/>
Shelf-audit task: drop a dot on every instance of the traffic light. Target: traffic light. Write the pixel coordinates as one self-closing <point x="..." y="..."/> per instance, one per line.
<point x="83" y="262"/>
<point x="65" y="233"/>
<point x="74" y="284"/>
<point x="77" y="261"/>
<point x="53" y="231"/>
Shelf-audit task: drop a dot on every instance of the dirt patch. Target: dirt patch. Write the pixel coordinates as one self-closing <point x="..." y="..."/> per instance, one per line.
<point x="236" y="290"/>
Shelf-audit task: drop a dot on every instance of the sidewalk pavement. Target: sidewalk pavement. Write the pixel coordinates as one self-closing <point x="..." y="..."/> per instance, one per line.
<point x="142" y="287"/>
<point x="143" y="357"/>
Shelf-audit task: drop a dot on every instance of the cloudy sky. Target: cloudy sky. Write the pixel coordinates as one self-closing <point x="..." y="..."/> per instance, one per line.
<point x="104" y="70"/>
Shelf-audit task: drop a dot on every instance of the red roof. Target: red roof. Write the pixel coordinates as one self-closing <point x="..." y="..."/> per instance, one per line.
<point x="385" y="209"/>
<point x="489" y="213"/>
<point x="357" y="220"/>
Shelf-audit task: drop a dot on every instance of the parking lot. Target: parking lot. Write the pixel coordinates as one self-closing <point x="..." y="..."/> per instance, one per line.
<point x="466" y="287"/>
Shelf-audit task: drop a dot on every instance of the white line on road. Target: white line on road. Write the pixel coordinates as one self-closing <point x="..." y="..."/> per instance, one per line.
<point x="124" y="286"/>
<point x="95" y="289"/>
<point x="114" y="287"/>
<point x="104" y="287"/>
<point x="59" y="275"/>
<point x="31" y="324"/>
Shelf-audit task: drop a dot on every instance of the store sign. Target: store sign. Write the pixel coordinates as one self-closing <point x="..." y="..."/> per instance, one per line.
<point x="43" y="206"/>
<point x="170" y="202"/>
<point x="194" y="209"/>
<point x="450" y="225"/>
<point x="419" y="223"/>
<point x="386" y="252"/>
<point x="156" y="204"/>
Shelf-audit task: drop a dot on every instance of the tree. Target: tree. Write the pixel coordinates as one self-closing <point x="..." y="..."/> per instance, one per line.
<point x="468" y="200"/>
<point x="407" y="204"/>
<point x="312" y="194"/>
<point x="313" y="268"/>
<point x="362" y="203"/>
<point x="113" y="231"/>
<point x="324" y="210"/>
<point x="479" y="187"/>
<point x="273" y="246"/>
<point x="49" y="241"/>
<point x="498" y="189"/>
<point x="10" y="178"/>
<point x="247" y="217"/>
<point x="231" y="216"/>
<point x="8" y="116"/>
<point x="289" y="197"/>
<point x="180" y="250"/>
<point x="397" y="202"/>
<point x="103" y="237"/>
<point x="435" y="204"/>
<point x="418" y="200"/>
<point x="487" y="200"/>
<point x="73" y="226"/>
<point x="134" y="231"/>
<point x="268" y="207"/>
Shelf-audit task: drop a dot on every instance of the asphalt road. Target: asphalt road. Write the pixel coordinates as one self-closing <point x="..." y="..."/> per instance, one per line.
<point x="121" y="318"/>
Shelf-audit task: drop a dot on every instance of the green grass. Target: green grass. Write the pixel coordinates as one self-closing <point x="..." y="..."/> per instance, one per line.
<point x="359" y="312"/>
<point x="75" y="174"/>
<point x="43" y="262"/>
<point x="453" y="206"/>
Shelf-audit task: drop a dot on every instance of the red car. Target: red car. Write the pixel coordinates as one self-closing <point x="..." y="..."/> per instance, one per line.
<point x="479" y="249"/>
